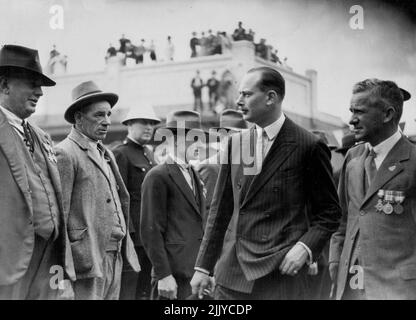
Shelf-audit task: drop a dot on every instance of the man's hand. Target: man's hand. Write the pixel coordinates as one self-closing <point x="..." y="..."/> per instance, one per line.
<point x="333" y="271"/>
<point x="66" y="292"/>
<point x="167" y="287"/>
<point x="294" y="260"/>
<point x="202" y="284"/>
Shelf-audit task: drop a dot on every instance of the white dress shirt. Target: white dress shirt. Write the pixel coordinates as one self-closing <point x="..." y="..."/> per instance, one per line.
<point x="383" y="148"/>
<point x="264" y="144"/>
<point x="183" y="166"/>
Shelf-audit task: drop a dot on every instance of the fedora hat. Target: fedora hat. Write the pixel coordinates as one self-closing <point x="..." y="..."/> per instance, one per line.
<point x="84" y="94"/>
<point x="348" y="141"/>
<point x="13" y="58"/>
<point x="232" y="120"/>
<point x="183" y="119"/>
<point x="143" y="112"/>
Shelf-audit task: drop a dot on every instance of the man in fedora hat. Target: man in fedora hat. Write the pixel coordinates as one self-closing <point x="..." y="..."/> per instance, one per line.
<point x="96" y="201"/>
<point x="134" y="160"/>
<point x="270" y="217"/>
<point x="172" y="210"/>
<point x="231" y="121"/>
<point x="33" y="236"/>
<point x="372" y="254"/>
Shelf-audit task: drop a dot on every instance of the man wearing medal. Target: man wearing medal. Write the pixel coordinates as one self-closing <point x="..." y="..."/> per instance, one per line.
<point x="372" y="255"/>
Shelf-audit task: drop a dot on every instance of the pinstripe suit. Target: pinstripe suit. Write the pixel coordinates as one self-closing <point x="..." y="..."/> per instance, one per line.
<point x="292" y="199"/>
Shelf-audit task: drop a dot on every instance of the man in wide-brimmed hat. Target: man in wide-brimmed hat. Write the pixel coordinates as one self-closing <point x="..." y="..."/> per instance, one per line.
<point x="96" y="200"/>
<point x="134" y="160"/>
<point x="231" y="121"/>
<point x="32" y="226"/>
<point x="172" y="209"/>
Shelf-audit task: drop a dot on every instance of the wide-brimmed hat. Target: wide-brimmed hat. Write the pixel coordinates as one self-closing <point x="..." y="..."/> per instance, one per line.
<point x="84" y="94"/>
<point x="183" y="119"/>
<point x="348" y="141"/>
<point x="144" y="111"/>
<point x="13" y="57"/>
<point x="232" y="120"/>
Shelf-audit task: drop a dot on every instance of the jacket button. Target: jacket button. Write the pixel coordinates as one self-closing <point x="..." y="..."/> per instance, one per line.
<point x="362" y="212"/>
<point x="108" y="200"/>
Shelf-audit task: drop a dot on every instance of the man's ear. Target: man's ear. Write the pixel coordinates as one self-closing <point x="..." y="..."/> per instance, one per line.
<point x="272" y="97"/>
<point x="389" y="114"/>
<point x="77" y="117"/>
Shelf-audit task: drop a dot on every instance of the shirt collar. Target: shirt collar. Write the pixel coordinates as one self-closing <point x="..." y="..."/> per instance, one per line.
<point x="182" y="164"/>
<point x="384" y="147"/>
<point x="13" y="119"/>
<point x="273" y="129"/>
<point x="92" y="143"/>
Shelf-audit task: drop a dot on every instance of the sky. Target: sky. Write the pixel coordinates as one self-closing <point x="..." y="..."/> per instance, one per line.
<point x="313" y="34"/>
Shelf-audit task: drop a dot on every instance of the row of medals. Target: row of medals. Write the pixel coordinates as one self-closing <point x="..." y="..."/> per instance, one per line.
<point x="390" y="201"/>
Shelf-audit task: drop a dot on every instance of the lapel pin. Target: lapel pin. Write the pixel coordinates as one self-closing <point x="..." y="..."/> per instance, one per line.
<point x="392" y="168"/>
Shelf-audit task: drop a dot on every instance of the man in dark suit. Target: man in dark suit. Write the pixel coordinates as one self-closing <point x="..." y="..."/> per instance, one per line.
<point x="172" y="213"/>
<point x="95" y="199"/>
<point x="134" y="160"/>
<point x="372" y="255"/>
<point x="284" y="208"/>
<point x="33" y="236"/>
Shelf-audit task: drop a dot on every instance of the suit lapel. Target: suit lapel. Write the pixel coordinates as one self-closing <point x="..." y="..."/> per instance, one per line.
<point x="178" y="178"/>
<point x="16" y="164"/>
<point x="84" y="145"/>
<point x="357" y="174"/>
<point x="390" y="168"/>
<point x="281" y="149"/>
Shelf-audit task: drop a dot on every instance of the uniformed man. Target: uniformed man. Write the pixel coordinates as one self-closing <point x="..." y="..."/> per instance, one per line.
<point x="134" y="160"/>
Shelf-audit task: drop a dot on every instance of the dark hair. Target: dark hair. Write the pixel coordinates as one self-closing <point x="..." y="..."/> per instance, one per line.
<point x="271" y="79"/>
<point x="383" y="94"/>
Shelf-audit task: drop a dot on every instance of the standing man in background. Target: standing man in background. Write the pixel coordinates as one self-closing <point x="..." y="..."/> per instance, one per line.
<point x="134" y="161"/>
<point x="172" y="213"/>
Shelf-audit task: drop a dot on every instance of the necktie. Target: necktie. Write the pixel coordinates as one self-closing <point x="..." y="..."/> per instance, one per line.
<point x="265" y="141"/>
<point x="194" y="188"/>
<point x="370" y="168"/>
<point x="103" y="158"/>
<point x="192" y="177"/>
<point x="28" y="136"/>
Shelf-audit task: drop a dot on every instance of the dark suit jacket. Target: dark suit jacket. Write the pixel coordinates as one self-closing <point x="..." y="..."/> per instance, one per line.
<point x="388" y="242"/>
<point x="87" y="201"/>
<point x="292" y="199"/>
<point x="171" y="222"/>
<point x="134" y="162"/>
<point x="17" y="234"/>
